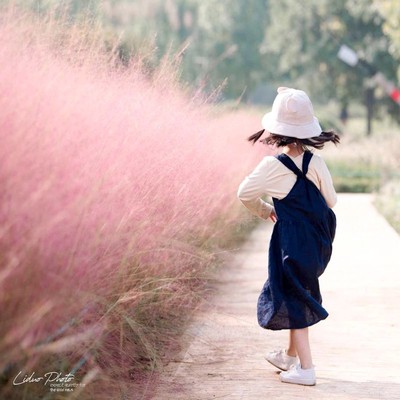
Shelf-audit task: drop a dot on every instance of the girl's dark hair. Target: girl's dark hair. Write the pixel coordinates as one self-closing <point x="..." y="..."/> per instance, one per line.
<point x="317" y="142"/>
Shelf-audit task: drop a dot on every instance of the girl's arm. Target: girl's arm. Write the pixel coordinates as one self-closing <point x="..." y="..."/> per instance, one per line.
<point x="252" y="188"/>
<point x="326" y="184"/>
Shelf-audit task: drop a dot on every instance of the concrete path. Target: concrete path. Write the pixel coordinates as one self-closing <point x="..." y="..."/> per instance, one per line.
<point x="356" y="349"/>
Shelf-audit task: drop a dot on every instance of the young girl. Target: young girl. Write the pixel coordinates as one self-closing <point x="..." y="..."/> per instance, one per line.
<point x="301" y="243"/>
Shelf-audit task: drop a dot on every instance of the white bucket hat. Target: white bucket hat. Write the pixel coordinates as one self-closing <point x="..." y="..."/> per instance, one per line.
<point x="292" y="115"/>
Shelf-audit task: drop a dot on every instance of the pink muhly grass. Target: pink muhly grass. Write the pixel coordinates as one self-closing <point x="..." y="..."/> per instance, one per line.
<point x="110" y="182"/>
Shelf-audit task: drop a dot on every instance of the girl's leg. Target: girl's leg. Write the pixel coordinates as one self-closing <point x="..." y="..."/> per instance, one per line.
<point x="291" y="351"/>
<point x="299" y="338"/>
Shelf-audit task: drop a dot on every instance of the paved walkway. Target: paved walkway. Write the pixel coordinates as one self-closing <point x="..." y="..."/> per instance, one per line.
<point x="356" y="349"/>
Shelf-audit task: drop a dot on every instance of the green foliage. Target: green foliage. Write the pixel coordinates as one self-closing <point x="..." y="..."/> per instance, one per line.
<point x="364" y="164"/>
<point x="390" y="11"/>
<point x="227" y="43"/>
<point x="354" y="177"/>
<point x="306" y="37"/>
<point x="74" y="8"/>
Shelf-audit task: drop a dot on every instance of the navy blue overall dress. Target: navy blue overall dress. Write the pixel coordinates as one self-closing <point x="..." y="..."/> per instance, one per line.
<point x="299" y="251"/>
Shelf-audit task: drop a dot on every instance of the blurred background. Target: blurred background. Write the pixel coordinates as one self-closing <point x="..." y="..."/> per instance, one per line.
<point x="250" y="47"/>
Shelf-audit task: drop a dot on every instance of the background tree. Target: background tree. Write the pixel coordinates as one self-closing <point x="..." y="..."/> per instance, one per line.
<point x="227" y="44"/>
<point x="306" y="37"/>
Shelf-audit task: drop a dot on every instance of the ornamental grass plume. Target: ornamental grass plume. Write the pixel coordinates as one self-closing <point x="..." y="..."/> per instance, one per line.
<point x="114" y="184"/>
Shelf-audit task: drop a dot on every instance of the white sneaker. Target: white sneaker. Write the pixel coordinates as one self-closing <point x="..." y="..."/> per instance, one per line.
<point x="299" y="376"/>
<point x="281" y="360"/>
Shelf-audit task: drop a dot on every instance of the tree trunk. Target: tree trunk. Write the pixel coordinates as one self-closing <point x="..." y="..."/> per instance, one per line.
<point x="369" y="102"/>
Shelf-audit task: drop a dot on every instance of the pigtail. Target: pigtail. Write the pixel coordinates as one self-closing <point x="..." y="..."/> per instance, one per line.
<point x="255" y="136"/>
<point x="317" y="142"/>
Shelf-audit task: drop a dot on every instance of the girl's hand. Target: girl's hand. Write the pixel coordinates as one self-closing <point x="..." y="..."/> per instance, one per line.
<point x="273" y="216"/>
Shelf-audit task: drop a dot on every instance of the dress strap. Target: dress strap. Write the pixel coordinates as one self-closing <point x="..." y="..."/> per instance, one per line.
<point x="306" y="161"/>
<point x="288" y="162"/>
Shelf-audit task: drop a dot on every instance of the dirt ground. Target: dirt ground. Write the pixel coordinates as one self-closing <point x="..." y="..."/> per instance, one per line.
<point x="356" y="350"/>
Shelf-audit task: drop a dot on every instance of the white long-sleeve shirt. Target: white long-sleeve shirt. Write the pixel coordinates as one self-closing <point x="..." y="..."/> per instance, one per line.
<point x="274" y="179"/>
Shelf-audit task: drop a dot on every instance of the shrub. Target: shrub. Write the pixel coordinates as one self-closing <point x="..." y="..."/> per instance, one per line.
<point x="113" y="183"/>
<point x="354" y="176"/>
